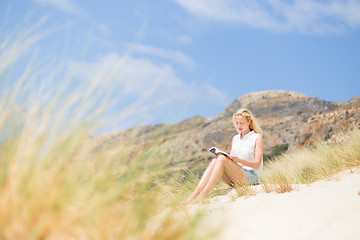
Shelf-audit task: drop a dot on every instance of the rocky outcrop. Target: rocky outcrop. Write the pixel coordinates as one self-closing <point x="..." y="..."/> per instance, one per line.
<point x="328" y="126"/>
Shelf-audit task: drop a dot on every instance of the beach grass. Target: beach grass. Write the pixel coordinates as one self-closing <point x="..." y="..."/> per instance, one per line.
<point x="66" y="195"/>
<point x="316" y="162"/>
<point x="53" y="184"/>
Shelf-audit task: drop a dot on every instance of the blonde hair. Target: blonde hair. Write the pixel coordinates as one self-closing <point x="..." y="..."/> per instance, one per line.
<point x="249" y="117"/>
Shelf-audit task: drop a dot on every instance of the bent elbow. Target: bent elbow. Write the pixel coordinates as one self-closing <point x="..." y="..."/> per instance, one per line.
<point x="257" y="165"/>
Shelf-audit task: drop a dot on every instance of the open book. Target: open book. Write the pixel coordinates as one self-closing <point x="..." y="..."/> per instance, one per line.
<point x="217" y="151"/>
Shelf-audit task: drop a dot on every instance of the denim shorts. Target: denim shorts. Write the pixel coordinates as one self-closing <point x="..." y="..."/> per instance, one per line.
<point x="252" y="178"/>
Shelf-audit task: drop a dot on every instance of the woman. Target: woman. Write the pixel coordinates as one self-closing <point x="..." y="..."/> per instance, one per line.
<point x="243" y="166"/>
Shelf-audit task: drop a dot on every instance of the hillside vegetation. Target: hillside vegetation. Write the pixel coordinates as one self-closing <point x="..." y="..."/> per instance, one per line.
<point x="289" y="121"/>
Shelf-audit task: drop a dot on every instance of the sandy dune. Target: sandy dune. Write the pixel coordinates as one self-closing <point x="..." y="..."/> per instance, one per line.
<point x="328" y="209"/>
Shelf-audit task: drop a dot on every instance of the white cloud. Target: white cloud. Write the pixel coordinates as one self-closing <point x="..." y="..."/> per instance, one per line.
<point x="305" y="16"/>
<point x="176" y="56"/>
<point x="69" y="6"/>
<point x="146" y="92"/>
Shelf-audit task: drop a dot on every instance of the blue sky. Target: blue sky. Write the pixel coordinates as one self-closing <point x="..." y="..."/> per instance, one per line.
<point x="180" y="58"/>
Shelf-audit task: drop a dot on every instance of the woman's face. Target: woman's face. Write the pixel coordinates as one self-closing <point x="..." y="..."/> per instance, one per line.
<point x="242" y="124"/>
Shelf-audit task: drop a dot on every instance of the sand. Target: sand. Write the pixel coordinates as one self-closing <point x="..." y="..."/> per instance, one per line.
<point x="328" y="209"/>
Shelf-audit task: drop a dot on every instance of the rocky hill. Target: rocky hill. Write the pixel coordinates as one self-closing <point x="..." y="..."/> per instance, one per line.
<point x="289" y="120"/>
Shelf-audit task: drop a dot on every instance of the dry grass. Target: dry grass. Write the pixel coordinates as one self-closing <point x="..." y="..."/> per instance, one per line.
<point x="52" y="185"/>
<point x="319" y="161"/>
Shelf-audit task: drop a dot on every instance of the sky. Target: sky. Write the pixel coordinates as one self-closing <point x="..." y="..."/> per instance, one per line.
<point x="175" y="59"/>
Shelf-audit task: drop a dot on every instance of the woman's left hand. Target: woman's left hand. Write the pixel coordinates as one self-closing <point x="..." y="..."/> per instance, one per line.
<point x="234" y="158"/>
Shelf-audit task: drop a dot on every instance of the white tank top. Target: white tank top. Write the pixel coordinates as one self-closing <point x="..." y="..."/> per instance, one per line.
<point x="245" y="149"/>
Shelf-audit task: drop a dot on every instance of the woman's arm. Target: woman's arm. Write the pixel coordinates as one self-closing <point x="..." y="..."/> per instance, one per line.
<point x="259" y="150"/>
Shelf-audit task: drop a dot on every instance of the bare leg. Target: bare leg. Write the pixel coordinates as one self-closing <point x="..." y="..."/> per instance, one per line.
<point x="233" y="171"/>
<point x="227" y="180"/>
<point x="202" y="183"/>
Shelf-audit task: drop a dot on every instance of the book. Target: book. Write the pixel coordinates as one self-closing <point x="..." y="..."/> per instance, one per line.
<point x="217" y="151"/>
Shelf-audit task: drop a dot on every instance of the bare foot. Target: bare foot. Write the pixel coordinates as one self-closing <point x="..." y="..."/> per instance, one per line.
<point x="186" y="202"/>
<point x="198" y="199"/>
<point x="190" y="199"/>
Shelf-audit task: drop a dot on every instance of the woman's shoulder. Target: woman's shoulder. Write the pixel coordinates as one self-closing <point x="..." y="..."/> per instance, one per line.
<point x="258" y="136"/>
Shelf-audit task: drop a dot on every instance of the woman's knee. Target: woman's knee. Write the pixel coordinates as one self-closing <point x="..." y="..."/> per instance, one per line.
<point x="222" y="159"/>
